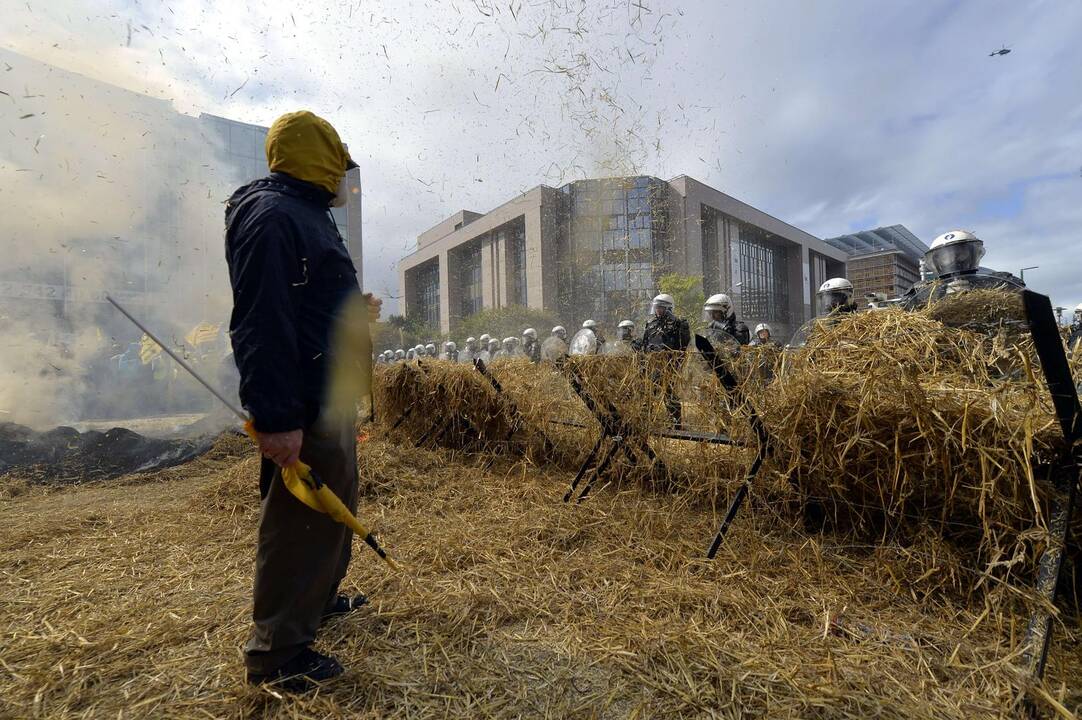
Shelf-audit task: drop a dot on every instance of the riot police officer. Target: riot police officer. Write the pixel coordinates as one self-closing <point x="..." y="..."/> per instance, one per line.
<point x="530" y="346"/>
<point x="450" y="351"/>
<point x="720" y="316"/>
<point x="555" y="345"/>
<point x="1074" y="341"/>
<point x="835" y="299"/>
<point x="596" y="330"/>
<point x="663" y="332"/>
<point x="510" y="348"/>
<point x="954" y="259"/>
<point x="625" y="339"/>
<point x="469" y="352"/>
<point x="763" y="337"/>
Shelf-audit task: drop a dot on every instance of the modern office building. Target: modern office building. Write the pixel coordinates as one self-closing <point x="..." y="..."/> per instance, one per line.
<point x="158" y="178"/>
<point x="597" y="248"/>
<point x="884" y="260"/>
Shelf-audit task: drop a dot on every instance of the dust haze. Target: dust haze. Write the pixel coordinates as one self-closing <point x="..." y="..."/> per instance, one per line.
<point x="102" y="191"/>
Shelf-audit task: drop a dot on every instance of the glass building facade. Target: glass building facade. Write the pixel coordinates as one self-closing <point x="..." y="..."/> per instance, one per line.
<point x="425" y="303"/>
<point x="616" y="248"/>
<point x="764" y="287"/>
<point x="468" y="276"/>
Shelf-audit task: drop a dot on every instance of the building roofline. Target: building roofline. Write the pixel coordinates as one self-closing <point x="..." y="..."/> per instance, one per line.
<point x="744" y="202"/>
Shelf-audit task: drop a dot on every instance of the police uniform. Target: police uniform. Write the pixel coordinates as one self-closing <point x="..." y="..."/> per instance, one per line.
<point x="732" y="327"/>
<point x="667" y="333"/>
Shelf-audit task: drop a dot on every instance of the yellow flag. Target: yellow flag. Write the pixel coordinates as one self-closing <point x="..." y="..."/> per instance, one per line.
<point x="148" y="350"/>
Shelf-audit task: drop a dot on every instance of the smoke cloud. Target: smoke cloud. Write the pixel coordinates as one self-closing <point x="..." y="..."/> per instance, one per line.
<point x="103" y="191"/>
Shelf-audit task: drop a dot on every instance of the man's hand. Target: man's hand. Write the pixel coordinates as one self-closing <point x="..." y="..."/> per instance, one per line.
<point x="374" y="305"/>
<point x="284" y="448"/>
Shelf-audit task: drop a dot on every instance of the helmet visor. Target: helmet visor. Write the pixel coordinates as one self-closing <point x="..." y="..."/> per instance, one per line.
<point x="832" y="299"/>
<point x="660" y="308"/>
<point x="718" y="312"/>
<point x="956" y="258"/>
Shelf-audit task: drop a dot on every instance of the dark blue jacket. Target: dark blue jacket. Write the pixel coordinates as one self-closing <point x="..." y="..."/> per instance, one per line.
<point x="291" y="272"/>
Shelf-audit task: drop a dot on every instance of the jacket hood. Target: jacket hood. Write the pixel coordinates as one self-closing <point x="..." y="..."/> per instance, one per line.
<point x="305" y="146"/>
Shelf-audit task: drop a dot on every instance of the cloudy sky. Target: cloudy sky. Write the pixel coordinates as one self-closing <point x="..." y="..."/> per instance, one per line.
<point x="834" y="116"/>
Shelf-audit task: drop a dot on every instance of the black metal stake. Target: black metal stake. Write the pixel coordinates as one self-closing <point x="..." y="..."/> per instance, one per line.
<point x="1061" y="386"/>
<point x="732" y="389"/>
<point x="614" y="443"/>
<point x="584" y="467"/>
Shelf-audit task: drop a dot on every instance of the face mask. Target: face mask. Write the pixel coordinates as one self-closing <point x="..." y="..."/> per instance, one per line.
<point x="341" y="196"/>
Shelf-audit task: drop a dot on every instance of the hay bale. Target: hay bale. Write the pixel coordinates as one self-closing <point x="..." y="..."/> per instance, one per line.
<point x="898" y="422"/>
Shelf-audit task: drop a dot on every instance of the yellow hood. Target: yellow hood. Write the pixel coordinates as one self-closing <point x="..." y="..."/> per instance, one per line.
<point x="307" y="147"/>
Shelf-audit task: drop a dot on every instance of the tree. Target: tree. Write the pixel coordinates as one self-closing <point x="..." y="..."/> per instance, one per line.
<point x="401" y="332"/>
<point x="505" y="322"/>
<point x="687" y="294"/>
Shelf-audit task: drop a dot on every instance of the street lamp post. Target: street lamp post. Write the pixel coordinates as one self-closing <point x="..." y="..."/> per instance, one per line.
<point x="1022" y="272"/>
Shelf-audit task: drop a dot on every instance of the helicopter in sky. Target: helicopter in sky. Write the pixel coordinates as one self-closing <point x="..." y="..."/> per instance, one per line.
<point x="1002" y="51"/>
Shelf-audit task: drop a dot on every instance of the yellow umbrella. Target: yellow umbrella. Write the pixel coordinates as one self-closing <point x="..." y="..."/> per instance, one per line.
<point x="298" y="477"/>
<point x="310" y="490"/>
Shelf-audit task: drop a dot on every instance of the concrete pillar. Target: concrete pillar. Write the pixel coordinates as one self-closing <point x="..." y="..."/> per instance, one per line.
<point x="404" y="290"/>
<point x="802" y="292"/>
<point x="732" y="244"/>
<point x="535" y="278"/>
<point x="499" y="241"/>
<point x="795" y="271"/>
<point x="693" y="237"/>
<point x="488" y="270"/>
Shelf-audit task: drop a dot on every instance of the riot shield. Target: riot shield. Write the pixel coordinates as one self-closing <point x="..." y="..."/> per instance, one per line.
<point x="553" y="349"/>
<point x="584" y="343"/>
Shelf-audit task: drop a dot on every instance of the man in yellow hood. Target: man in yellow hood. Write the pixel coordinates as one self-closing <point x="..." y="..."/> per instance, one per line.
<point x="293" y="280"/>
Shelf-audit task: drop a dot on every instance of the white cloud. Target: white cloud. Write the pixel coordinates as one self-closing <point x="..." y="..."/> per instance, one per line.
<point x="823" y="113"/>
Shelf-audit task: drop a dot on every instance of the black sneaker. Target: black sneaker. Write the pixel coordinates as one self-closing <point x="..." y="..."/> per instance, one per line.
<point x="302" y="673"/>
<point x="344" y="605"/>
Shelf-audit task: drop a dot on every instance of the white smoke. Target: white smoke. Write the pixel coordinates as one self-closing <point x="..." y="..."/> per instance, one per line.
<point x="101" y="190"/>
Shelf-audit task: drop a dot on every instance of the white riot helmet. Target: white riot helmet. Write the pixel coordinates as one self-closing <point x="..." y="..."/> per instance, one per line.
<point x="560" y="332"/>
<point x="411" y="353"/>
<point x="471" y="341"/>
<point x="509" y="343"/>
<point x="763" y="326"/>
<point x="835" y="293"/>
<point x="718" y="307"/>
<point x="399" y="354"/>
<point x="1078" y="312"/>
<point x="493" y="345"/>
<point x="625" y="330"/>
<point x="529" y="333"/>
<point x="958" y="251"/>
<point x="662" y="304"/>
<point x="450" y="346"/>
<point x="430" y="348"/>
<point x="485" y="340"/>
<point x="589" y="324"/>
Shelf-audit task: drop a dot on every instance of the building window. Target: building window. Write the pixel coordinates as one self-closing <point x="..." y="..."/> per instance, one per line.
<point x="427" y="293"/>
<point x="764" y="293"/>
<point x="516" y="264"/>
<point x="468" y="260"/>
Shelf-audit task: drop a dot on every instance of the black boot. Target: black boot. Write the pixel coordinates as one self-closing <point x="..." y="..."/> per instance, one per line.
<point x="302" y="673"/>
<point x="344" y="605"/>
